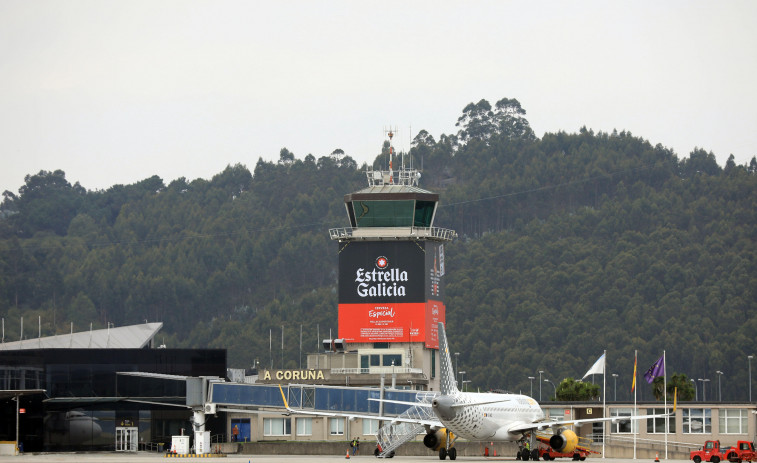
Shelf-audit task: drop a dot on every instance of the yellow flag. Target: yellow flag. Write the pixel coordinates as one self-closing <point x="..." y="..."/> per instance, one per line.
<point x="633" y="383"/>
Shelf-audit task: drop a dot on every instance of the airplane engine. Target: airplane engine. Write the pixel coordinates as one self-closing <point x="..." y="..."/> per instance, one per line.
<point x="565" y="441"/>
<point x="435" y="439"/>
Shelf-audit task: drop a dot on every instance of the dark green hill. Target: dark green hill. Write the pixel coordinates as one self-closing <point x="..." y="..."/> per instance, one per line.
<point x="569" y="245"/>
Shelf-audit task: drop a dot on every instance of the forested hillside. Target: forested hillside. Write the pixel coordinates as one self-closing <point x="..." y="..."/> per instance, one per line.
<point x="568" y="245"/>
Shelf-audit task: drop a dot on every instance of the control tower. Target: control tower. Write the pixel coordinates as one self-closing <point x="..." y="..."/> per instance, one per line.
<point x="391" y="267"/>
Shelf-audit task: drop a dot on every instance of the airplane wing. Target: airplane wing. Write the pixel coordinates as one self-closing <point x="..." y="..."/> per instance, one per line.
<point x="352" y="416"/>
<point x="543" y="425"/>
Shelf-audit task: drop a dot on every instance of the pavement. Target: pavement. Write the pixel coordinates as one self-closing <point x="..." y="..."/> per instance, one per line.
<point x="146" y="457"/>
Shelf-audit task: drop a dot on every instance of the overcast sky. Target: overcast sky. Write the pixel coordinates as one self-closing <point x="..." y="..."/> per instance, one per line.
<point x="117" y="91"/>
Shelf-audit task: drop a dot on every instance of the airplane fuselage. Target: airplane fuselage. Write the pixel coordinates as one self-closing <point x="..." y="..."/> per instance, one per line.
<point x="489" y="421"/>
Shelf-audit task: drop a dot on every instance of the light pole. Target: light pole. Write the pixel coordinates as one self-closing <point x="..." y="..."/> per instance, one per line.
<point x="462" y="379"/>
<point x="464" y="384"/>
<point x="750" y="357"/>
<point x="540" y="373"/>
<point x="696" y="394"/>
<point x="553" y="385"/>
<point x="704" y="388"/>
<point x="720" y="391"/>
<point x="615" y="380"/>
<point x="532" y="385"/>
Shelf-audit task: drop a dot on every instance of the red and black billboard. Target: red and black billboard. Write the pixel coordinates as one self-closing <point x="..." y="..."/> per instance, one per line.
<point x="391" y="291"/>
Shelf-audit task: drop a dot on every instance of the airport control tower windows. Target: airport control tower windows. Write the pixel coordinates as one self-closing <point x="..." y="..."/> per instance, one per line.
<point x="424" y="213"/>
<point x="384" y="213"/>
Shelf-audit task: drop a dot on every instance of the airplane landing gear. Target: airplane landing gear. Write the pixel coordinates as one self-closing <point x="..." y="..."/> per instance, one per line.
<point x="451" y="453"/>
<point x="448" y="450"/>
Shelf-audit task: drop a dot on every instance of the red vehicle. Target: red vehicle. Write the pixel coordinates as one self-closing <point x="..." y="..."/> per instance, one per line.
<point x="714" y="452"/>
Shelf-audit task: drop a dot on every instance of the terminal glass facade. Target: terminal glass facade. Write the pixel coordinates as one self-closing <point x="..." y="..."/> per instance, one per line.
<point x="85" y="400"/>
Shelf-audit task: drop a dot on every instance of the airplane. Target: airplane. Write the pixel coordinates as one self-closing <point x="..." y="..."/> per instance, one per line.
<point x="481" y="416"/>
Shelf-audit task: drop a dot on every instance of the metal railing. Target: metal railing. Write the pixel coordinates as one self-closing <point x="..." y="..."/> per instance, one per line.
<point x="374" y="370"/>
<point x="354" y="233"/>
<point x="645" y="442"/>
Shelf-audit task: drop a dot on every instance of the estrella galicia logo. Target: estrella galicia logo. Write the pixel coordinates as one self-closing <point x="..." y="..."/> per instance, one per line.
<point x="382" y="263"/>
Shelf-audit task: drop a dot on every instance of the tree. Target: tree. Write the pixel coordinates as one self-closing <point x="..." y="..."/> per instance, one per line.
<point x="511" y="120"/>
<point x="46" y="201"/>
<point x="476" y="121"/>
<point x="286" y="157"/>
<point x="423" y="139"/>
<point x="677" y="384"/>
<point x="507" y="119"/>
<point x="571" y="390"/>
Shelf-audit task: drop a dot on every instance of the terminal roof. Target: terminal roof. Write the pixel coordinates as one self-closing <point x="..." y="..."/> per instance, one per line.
<point x="123" y="337"/>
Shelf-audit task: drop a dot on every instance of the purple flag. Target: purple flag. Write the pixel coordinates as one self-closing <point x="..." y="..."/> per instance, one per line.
<point x="658" y="369"/>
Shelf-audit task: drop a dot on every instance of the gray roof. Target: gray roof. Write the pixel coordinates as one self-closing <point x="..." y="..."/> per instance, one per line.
<point x="387" y="188"/>
<point x="123" y="337"/>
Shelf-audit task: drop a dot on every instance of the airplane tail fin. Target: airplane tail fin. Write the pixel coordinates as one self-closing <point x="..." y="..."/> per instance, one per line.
<point x="447" y="378"/>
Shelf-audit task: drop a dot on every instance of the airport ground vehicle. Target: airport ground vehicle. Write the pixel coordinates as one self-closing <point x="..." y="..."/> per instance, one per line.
<point x="714" y="452"/>
<point x="546" y="452"/>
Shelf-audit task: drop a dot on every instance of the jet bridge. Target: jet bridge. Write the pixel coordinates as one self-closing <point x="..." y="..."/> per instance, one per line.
<point x="239" y="397"/>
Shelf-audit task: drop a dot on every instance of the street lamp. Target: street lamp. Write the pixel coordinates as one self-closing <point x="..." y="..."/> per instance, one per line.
<point x="704" y="388"/>
<point x="615" y="380"/>
<point x="532" y="378"/>
<point x="540" y="373"/>
<point x="720" y="391"/>
<point x="464" y="383"/>
<point x="553" y="385"/>
<point x="696" y="394"/>
<point x="462" y="379"/>
<point x="750" y="357"/>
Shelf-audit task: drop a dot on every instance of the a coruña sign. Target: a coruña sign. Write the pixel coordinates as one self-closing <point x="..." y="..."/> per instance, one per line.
<point x="302" y="376"/>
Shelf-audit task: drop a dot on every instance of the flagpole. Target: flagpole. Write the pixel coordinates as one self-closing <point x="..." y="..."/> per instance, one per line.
<point x="604" y="403"/>
<point x="665" y="394"/>
<point x="635" y="410"/>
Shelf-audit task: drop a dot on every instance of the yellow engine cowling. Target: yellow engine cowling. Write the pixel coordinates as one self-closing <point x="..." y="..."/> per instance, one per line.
<point x="564" y="442"/>
<point x="435" y="439"/>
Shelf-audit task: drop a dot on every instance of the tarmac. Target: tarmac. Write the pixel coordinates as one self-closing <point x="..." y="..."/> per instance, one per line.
<point x="146" y="457"/>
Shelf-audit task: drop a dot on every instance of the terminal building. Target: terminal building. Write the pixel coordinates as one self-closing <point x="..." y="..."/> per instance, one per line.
<point x="75" y="392"/>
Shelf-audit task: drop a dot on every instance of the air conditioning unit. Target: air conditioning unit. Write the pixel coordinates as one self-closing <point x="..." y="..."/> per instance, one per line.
<point x="210" y="408"/>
